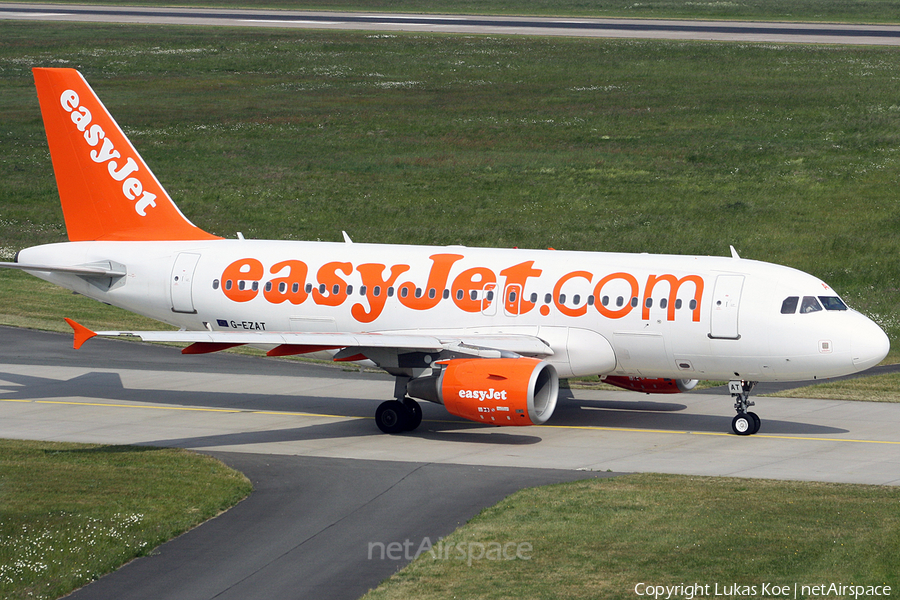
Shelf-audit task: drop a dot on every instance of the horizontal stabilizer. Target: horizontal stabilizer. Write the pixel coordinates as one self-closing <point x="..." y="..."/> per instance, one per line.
<point x="108" y="269"/>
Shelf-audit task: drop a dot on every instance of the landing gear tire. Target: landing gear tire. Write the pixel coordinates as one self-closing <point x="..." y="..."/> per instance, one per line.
<point x="756" y="421"/>
<point x="746" y="422"/>
<point x="415" y="413"/>
<point x="742" y="424"/>
<point x="393" y="416"/>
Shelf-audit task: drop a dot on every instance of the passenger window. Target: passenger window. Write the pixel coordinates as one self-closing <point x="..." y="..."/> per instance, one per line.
<point x="789" y="306"/>
<point x="809" y="304"/>
<point x="832" y="303"/>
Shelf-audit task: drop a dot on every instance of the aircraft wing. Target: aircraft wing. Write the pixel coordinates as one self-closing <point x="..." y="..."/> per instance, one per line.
<point x="289" y="343"/>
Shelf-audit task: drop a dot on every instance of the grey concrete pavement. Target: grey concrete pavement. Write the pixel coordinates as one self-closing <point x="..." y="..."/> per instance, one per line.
<point x="279" y="408"/>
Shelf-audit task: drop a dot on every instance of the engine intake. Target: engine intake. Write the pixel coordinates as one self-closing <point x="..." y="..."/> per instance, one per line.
<point x="499" y="391"/>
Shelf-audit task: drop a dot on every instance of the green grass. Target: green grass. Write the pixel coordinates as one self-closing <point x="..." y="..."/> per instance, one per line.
<point x="787" y="152"/>
<point x="70" y="513"/>
<point x="877" y="388"/>
<point x="599" y="538"/>
<point x="865" y="11"/>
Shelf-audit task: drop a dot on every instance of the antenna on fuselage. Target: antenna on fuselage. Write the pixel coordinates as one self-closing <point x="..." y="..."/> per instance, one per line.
<point x="734" y="253"/>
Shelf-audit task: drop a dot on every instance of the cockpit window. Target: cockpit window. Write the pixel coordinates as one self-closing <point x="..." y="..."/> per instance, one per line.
<point x="809" y="304"/>
<point x="832" y="303"/>
<point x="789" y="306"/>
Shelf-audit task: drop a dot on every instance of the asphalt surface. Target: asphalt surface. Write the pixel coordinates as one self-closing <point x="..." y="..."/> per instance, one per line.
<point x="307" y="529"/>
<point x="317" y="528"/>
<point x="820" y="33"/>
<point x="329" y="485"/>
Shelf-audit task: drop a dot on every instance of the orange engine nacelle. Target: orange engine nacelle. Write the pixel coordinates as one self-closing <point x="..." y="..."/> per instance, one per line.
<point x="499" y="391"/>
<point x="660" y="385"/>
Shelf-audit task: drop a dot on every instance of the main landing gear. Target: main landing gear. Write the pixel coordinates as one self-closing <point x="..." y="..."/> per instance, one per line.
<point x="397" y="416"/>
<point x="745" y="423"/>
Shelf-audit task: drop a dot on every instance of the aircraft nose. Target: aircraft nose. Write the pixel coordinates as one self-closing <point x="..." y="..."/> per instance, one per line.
<point x="868" y="344"/>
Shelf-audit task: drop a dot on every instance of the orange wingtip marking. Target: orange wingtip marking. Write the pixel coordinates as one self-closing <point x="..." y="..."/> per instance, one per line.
<point x="82" y="333"/>
<point x="207" y="347"/>
<point x="292" y="349"/>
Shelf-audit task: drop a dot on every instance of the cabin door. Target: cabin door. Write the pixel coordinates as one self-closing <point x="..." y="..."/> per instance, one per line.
<point x="725" y="310"/>
<point x="182" y="280"/>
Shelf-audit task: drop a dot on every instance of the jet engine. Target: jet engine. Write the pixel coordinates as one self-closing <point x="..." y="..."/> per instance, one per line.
<point x="499" y="391"/>
<point x="660" y="385"/>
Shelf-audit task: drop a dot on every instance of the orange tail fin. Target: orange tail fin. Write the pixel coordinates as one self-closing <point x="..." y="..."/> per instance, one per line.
<point x="106" y="189"/>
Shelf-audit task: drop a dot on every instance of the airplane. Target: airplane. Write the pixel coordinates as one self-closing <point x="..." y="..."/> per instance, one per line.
<point x="486" y="332"/>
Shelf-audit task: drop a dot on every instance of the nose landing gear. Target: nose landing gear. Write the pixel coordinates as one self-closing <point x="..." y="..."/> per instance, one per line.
<point x="745" y="423"/>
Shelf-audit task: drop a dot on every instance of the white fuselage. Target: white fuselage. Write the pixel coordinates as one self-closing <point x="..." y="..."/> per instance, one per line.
<point x="641" y="315"/>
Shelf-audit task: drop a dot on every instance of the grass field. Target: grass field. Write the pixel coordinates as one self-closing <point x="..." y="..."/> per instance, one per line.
<point x="600" y="538"/>
<point x="860" y="11"/>
<point x="70" y="513"/>
<point x="787" y="152"/>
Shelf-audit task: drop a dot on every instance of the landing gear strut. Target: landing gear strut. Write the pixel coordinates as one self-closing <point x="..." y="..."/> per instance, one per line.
<point x="745" y="423"/>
